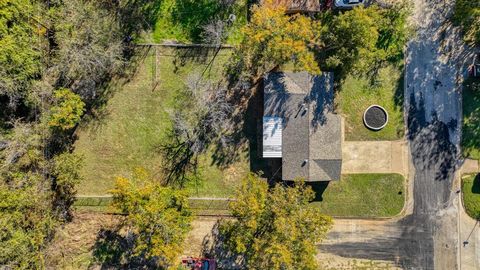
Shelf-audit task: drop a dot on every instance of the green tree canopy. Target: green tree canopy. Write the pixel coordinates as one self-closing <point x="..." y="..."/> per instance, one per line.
<point x="67" y="111"/>
<point x="361" y="39"/>
<point x="27" y="218"/>
<point x="467" y="15"/>
<point x="19" y="42"/>
<point x="274" y="229"/>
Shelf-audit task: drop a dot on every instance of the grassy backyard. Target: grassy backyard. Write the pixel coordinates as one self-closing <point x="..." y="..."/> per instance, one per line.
<point x="362" y="195"/>
<point x="357" y="94"/>
<point x="471" y="195"/>
<point x="135" y="120"/>
<point x="471" y="119"/>
<point x="183" y="20"/>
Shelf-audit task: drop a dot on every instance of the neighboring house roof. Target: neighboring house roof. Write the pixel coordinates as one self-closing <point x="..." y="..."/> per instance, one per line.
<point x="310" y="132"/>
<point x="294" y="6"/>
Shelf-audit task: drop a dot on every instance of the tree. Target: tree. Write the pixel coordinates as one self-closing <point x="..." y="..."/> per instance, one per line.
<point x="66" y="176"/>
<point x="194" y="130"/>
<point x="467" y="15"/>
<point x="351" y="39"/>
<point x="274" y="229"/>
<point x="394" y="30"/>
<point x="68" y="110"/>
<point x="157" y="216"/>
<point x="20" y="61"/>
<point x="27" y="218"/>
<point x="27" y="223"/>
<point x="362" y="39"/>
<point x="48" y="89"/>
<point x="89" y="48"/>
<point x="273" y="38"/>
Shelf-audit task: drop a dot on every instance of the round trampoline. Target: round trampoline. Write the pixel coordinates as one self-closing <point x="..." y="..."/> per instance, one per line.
<point x="375" y="117"/>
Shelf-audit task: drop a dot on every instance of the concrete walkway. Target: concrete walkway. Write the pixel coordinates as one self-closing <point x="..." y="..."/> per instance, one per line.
<point x="468" y="228"/>
<point x="470" y="166"/>
<point x="469" y="238"/>
<point x="375" y="157"/>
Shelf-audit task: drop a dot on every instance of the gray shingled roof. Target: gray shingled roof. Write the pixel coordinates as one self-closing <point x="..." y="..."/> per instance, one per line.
<point x="311" y="140"/>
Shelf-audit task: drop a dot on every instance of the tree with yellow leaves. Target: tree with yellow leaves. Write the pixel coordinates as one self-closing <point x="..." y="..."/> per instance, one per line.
<point x="274" y="229"/>
<point x="158" y="217"/>
<point x="273" y="38"/>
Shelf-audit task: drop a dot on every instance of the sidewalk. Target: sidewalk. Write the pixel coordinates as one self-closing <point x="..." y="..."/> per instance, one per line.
<point x="469" y="229"/>
<point x="469" y="242"/>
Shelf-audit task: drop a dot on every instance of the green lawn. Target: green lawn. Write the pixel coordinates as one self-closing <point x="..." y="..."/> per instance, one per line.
<point x="357" y="94"/>
<point x="355" y="195"/>
<point x="361" y="195"/>
<point x="135" y="122"/>
<point x="471" y="195"/>
<point x="471" y="119"/>
<point x="183" y="20"/>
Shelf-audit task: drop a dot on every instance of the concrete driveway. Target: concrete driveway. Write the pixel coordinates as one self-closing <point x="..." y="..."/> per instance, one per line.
<point x="375" y="157"/>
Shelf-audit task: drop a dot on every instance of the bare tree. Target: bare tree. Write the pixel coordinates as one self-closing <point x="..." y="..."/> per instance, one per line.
<point x="89" y="49"/>
<point x="214" y="32"/>
<point x="195" y="130"/>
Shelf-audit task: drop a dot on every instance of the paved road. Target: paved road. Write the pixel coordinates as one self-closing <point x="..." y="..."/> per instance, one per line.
<point x="427" y="237"/>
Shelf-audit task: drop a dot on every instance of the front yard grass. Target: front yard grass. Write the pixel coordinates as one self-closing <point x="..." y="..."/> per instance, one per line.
<point x="471" y="119"/>
<point x="357" y="94"/>
<point x="471" y="194"/>
<point x="361" y="195"/>
<point x="135" y="122"/>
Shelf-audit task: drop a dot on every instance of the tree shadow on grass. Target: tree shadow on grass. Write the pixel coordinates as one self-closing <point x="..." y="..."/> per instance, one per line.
<point x="97" y="113"/>
<point x="113" y="250"/>
<point x="476" y="184"/>
<point x="398" y="97"/>
<point x="247" y="132"/>
<point x="133" y="16"/>
<point x="471" y="118"/>
<point x="192" y="15"/>
<point x="319" y="188"/>
<point x="213" y="246"/>
<point x="199" y="55"/>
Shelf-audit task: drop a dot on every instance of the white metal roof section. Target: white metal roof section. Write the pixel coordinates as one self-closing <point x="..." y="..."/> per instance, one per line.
<point x="272" y="137"/>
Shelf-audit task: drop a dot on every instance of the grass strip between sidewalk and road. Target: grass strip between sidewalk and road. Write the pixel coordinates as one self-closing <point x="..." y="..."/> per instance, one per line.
<point x="471" y="194"/>
<point x="471" y="119"/>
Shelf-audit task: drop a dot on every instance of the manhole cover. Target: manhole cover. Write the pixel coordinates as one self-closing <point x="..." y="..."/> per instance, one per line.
<point x="375" y="117"/>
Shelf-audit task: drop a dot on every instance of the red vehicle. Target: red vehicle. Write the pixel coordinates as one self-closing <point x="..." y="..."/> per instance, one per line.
<point x="199" y="263"/>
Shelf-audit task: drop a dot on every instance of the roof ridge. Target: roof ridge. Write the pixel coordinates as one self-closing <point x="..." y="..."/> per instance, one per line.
<point x="295" y="84"/>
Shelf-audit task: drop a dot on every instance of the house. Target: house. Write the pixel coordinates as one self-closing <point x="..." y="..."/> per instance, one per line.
<point x="299" y="126"/>
<point x="300" y="6"/>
